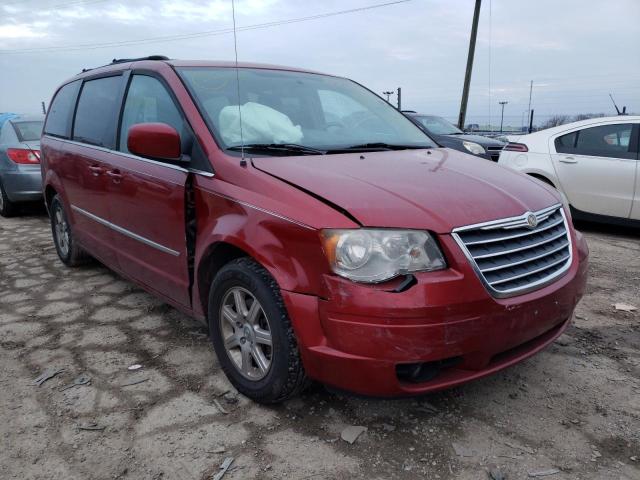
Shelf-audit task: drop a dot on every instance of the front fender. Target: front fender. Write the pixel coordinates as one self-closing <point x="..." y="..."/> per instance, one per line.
<point x="289" y="250"/>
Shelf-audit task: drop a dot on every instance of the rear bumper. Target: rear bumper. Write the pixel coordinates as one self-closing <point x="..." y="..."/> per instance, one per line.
<point x="356" y="339"/>
<point x="23" y="185"/>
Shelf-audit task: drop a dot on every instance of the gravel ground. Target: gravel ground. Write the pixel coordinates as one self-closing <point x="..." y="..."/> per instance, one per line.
<point x="571" y="412"/>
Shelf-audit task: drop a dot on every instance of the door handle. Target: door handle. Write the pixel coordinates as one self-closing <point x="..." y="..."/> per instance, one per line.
<point x="115" y="175"/>
<point x="568" y="160"/>
<point x="95" y="170"/>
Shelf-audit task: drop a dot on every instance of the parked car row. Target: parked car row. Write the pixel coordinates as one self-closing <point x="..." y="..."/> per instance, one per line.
<point x="450" y="136"/>
<point x="317" y="232"/>
<point x="595" y="163"/>
<point x="20" y="179"/>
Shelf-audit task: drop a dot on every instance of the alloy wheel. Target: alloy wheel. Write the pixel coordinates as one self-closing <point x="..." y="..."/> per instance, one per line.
<point x="62" y="231"/>
<point x="246" y="333"/>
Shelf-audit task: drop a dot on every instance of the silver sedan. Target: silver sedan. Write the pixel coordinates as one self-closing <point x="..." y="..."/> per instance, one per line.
<point x="20" y="178"/>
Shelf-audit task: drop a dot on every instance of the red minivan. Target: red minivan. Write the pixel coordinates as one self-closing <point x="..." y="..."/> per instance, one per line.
<point x="319" y="233"/>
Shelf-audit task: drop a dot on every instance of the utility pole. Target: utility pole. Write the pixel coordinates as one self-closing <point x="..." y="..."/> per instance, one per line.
<point x="387" y="94"/>
<point x="399" y="98"/>
<point x="44" y="110"/>
<point x="529" y="110"/>
<point x="467" y="75"/>
<point x="502" y="104"/>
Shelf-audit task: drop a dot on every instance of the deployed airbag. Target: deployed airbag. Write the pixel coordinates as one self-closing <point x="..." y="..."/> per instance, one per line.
<point x="260" y="124"/>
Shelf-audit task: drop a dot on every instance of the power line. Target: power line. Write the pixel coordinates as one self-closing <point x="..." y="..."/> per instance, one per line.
<point x="166" y="38"/>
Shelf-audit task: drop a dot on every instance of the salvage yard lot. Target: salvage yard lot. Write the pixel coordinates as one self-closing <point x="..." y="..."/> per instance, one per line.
<point x="572" y="411"/>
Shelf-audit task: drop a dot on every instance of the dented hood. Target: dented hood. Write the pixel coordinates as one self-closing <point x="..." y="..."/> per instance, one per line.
<point x="437" y="189"/>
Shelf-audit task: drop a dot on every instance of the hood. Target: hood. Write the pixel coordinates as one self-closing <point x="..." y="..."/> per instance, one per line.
<point x="484" y="141"/>
<point x="437" y="189"/>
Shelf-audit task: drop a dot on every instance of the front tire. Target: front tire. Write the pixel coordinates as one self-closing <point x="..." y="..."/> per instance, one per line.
<point x="71" y="254"/>
<point x="252" y="334"/>
<point x="7" y="207"/>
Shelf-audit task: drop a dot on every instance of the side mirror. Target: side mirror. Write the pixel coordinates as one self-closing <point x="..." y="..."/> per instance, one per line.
<point x="157" y="141"/>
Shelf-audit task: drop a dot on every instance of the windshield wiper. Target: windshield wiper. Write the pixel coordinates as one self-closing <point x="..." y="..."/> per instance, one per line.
<point x="378" y="146"/>
<point x="278" y="147"/>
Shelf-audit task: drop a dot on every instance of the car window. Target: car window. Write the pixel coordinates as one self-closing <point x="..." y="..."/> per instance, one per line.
<point x="28" y="131"/>
<point x="566" y="143"/>
<point x="311" y="110"/>
<point x="438" y="125"/>
<point x="61" y="111"/>
<point x="605" y="141"/>
<point x="7" y="134"/>
<point x="96" y="113"/>
<point x="149" y="102"/>
<point x="337" y="106"/>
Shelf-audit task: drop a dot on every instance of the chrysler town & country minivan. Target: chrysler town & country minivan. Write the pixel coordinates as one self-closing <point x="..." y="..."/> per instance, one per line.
<point x="317" y="232"/>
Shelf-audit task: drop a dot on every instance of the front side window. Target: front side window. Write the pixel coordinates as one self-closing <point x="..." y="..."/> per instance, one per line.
<point x="96" y="115"/>
<point x="308" y="110"/>
<point x="28" y="131"/>
<point x="149" y="102"/>
<point x="61" y="111"/>
<point x="605" y="141"/>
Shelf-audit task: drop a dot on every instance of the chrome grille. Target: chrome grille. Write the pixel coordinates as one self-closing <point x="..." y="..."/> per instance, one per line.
<point x="494" y="152"/>
<point x="511" y="257"/>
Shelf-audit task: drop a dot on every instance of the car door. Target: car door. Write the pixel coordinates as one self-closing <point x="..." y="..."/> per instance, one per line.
<point x="87" y="163"/>
<point x="147" y="197"/>
<point x="635" y="208"/>
<point x="596" y="167"/>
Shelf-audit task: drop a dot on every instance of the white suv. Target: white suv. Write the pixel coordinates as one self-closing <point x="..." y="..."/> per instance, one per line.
<point x="594" y="163"/>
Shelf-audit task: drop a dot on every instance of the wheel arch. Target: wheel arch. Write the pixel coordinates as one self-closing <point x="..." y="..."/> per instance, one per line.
<point x="215" y="256"/>
<point x="543" y="178"/>
<point x="49" y="193"/>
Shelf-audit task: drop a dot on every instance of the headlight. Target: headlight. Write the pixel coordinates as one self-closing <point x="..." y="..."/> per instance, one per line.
<point x="375" y="255"/>
<point x="474" y="148"/>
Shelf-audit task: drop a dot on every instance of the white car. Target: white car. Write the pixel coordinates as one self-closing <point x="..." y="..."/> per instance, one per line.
<point x="594" y="163"/>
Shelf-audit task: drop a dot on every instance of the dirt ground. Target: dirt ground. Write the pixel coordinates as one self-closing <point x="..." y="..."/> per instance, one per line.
<point x="571" y="412"/>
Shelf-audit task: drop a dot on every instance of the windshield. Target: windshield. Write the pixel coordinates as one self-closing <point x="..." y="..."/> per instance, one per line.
<point x="28" y="131"/>
<point x="437" y="125"/>
<point x="299" y="109"/>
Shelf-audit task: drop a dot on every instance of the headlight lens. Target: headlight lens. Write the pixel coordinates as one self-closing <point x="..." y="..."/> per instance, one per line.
<point x="474" y="148"/>
<point x="375" y="255"/>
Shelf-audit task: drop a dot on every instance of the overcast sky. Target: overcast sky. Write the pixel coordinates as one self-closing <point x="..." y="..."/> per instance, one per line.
<point x="575" y="51"/>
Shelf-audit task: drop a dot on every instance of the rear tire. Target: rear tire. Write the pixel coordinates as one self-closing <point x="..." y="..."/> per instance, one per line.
<point x="7" y="207"/>
<point x="247" y="314"/>
<point x="71" y="254"/>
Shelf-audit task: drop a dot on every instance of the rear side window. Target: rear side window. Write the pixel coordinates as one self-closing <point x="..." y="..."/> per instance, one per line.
<point x="96" y="115"/>
<point x="61" y="111"/>
<point x="28" y="131"/>
<point x="566" y="143"/>
<point x="7" y="134"/>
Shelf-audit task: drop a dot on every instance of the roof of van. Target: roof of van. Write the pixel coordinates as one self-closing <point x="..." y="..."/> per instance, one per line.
<point x="227" y="64"/>
<point x="125" y="64"/>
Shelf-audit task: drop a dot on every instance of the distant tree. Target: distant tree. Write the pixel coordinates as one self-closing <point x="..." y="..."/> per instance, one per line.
<point x="555" y="120"/>
<point x="586" y="116"/>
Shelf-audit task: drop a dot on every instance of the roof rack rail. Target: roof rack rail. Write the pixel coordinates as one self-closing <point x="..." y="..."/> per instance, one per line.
<point x="127" y="60"/>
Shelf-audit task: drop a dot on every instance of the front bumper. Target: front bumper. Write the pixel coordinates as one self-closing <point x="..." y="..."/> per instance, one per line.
<point x="356" y="338"/>
<point x="23" y="184"/>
